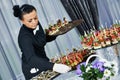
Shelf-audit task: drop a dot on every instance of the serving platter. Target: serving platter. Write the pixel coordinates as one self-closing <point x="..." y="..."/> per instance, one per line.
<point x="46" y="75"/>
<point x="67" y="27"/>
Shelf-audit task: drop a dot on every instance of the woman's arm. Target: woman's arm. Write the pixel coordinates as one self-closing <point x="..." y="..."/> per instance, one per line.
<point x="30" y="56"/>
<point x="50" y="38"/>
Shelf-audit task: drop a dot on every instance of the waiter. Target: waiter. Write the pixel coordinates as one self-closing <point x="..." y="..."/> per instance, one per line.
<point x="32" y="40"/>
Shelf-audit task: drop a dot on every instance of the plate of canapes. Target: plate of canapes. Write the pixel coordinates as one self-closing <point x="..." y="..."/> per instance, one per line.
<point x="74" y="57"/>
<point x="101" y="38"/>
<point x="61" y="27"/>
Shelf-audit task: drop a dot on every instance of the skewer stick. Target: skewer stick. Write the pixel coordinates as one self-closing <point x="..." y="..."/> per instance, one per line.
<point x="106" y="25"/>
<point x="94" y="28"/>
<point x="119" y="22"/>
<point x="102" y="26"/>
<point x="116" y="21"/>
<point x="85" y="34"/>
<point x="87" y="31"/>
<point x="66" y="57"/>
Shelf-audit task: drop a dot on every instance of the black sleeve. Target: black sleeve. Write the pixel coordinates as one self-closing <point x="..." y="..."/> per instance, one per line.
<point x="29" y="54"/>
<point x="50" y="38"/>
<point x="47" y="37"/>
<point x="41" y="63"/>
<point x="39" y="39"/>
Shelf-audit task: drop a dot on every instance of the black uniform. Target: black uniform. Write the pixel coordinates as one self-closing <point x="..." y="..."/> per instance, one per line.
<point x="33" y="53"/>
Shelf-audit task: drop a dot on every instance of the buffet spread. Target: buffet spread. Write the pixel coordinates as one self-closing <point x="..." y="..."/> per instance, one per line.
<point x="92" y="40"/>
<point x="101" y="38"/>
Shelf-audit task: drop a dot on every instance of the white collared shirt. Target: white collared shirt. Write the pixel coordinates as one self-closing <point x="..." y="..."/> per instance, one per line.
<point x="35" y="30"/>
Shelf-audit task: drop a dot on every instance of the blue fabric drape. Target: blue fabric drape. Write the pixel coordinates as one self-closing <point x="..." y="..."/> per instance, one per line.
<point x="109" y="12"/>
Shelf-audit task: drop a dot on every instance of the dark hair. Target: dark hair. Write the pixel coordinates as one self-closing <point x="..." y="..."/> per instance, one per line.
<point x="24" y="9"/>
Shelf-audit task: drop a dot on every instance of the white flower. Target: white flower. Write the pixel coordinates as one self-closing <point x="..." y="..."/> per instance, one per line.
<point x="107" y="64"/>
<point x="88" y="68"/>
<point x="107" y="73"/>
<point x="112" y="65"/>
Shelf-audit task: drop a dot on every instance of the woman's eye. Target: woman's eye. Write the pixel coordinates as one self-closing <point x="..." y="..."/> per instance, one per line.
<point x="35" y="18"/>
<point x="30" y="21"/>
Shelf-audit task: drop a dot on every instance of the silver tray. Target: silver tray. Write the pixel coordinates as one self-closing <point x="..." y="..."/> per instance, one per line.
<point x="46" y="75"/>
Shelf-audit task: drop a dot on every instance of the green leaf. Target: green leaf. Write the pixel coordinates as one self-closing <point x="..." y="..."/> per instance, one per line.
<point x="100" y="74"/>
<point x="108" y="78"/>
<point x="96" y="70"/>
<point x="82" y="67"/>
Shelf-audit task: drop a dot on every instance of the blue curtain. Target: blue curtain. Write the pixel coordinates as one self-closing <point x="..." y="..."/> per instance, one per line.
<point x="109" y="12"/>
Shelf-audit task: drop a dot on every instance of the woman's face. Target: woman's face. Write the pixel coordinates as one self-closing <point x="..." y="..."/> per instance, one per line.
<point x="30" y="20"/>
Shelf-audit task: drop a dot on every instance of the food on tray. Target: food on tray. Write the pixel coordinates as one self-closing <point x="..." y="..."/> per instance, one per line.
<point x="101" y="38"/>
<point x="96" y="44"/>
<point x="73" y="58"/>
<point x="61" y="27"/>
<point x="107" y="41"/>
<point x="46" y="75"/>
<point x="53" y="29"/>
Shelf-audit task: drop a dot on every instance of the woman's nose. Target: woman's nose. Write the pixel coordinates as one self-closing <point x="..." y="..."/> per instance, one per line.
<point x="34" y="21"/>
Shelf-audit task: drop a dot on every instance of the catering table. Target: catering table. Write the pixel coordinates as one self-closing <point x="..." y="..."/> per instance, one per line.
<point x="110" y="53"/>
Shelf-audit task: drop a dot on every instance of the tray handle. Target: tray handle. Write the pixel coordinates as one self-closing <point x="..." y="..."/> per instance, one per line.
<point x="95" y="55"/>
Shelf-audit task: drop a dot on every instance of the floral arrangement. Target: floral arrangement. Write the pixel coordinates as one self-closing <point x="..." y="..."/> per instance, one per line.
<point x="98" y="70"/>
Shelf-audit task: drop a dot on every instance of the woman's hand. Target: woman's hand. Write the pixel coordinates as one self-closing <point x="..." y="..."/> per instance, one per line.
<point x="61" y="68"/>
<point x="50" y="38"/>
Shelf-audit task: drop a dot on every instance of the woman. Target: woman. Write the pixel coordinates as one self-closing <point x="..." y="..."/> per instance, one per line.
<point x="32" y="40"/>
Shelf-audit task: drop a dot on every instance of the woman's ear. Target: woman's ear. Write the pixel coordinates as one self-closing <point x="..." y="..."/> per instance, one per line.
<point x="23" y="21"/>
